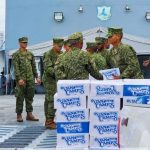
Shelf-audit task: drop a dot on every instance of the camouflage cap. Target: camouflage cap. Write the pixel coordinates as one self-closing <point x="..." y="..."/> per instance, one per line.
<point x="100" y="40"/>
<point x="77" y="36"/>
<point x="112" y="31"/>
<point x="58" y="41"/>
<point x="23" y="39"/>
<point x="91" y="45"/>
<point x="67" y="42"/>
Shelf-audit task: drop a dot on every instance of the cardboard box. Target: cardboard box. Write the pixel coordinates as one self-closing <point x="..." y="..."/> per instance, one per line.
<point x="136" y="87"/>
<point x="111" y="88"/>
<point x="137" y="81"/>
<point x="109" y="74"/>
<point x="104" y="116"/>
<point x="72" y="140"/>
<point x="103" y="103"/>
<point x="143" y="101"/>
<point x="73" y="87"/>
<point x="72" y="127"/>
<point x="70" y="102"/>
<point x="75" y="115"/>
<point x="104" y="142"/>
<point x="104" y="130"/>
<point x="136" y="90"/>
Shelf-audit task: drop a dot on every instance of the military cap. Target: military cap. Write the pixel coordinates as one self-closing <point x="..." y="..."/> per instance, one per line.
<point x="100" y="40"/>
<point x="58" y="41"/>
<point x="23" y="39"/>
<point x="112" y="31"/>
<point x="91" y="45"/>
<point x="67" y="42"/>
<point x="77" y="36"/>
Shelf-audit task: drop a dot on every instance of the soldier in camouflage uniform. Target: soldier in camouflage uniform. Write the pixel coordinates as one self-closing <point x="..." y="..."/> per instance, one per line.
<point x="102" y="46"/>
<point x="75" y="64"/>
<point x="25" y="73"/>
<point x="91" y="48"/>
<point x="98" y="61"/>
<point x="102" y="43"/>
<point x="67" y="46"/>
<point x="123" y="56"/>
<point x="49" y="81"/>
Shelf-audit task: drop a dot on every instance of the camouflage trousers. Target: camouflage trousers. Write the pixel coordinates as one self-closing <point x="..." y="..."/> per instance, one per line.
<point x="25" y="92"/>
<point x="50" y="90"/>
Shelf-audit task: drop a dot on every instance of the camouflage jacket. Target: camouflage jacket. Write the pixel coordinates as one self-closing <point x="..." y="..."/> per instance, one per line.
<point x="24" y="65"/>
<point x="98" y="61"/>
<point x="106" y="54"/>
<point x="74" y="65"/>
<point x="49" y="59"/>
<point x="124" y="57"/>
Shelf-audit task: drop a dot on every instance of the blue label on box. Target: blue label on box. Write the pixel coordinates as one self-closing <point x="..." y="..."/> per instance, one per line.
<point x="107" y="142"/>
<point x="138" y="100"/>
<point x="107" y="129"/>
<point x="106" y="116"/>
<point x="72" y="127"/>
<point x="73" y="90"/>
<point x="136" y="90"/>
<point x="74" y="115"/>
<point x="69" y="102"/>
<point x="74" y="139"/>
<point x="105" y="90"/>
<point x="103" y="103"/>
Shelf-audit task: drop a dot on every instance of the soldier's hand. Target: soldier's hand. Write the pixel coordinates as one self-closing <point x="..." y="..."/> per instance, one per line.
<point x="21" y="82"/>
<point x="116" y="77"/>
<point x="38" y="81"/>
<point x="146" y="63"/>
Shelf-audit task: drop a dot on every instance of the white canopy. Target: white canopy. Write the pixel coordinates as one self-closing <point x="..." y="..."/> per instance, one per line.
<point x="141" y="45"/>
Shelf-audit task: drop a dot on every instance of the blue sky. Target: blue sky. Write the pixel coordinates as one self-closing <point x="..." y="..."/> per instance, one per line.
<point x="2" y="15"/>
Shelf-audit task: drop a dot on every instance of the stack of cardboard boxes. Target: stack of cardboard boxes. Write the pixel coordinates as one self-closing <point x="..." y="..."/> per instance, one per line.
<point x="104" y="105"/>
<point x="72" y="115"/>
<point x="88" y="113"/>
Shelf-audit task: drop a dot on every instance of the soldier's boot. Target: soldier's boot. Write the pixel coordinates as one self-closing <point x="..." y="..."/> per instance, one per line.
<point x="50" y="124"/>
<point x="19" y="118"/>
<point x="30" y="117"/>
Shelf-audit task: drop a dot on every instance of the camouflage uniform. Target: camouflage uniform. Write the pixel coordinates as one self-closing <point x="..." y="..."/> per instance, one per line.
<point x="49" y="82"/>
<point x="75" y="64"/>
<point x="97" y="60"/>
<point x="91" y="47"/>
<point x="124" y="57"/>
<point x="25" y="69"/>
<point x="104" y="52"/>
